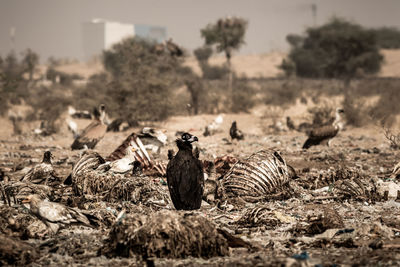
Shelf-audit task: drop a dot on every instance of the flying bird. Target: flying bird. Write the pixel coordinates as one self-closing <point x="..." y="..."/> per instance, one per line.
<point x="55" y="215"/>
<point x="93" y="133"/>
<point x="235" y="133"/>
<point x="43" y="172"/>
<point x="185" y="175"/>
<point x="324" y="134"/>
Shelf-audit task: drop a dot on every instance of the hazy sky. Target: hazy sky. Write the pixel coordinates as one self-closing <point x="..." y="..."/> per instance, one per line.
<point x="53" y="27"/>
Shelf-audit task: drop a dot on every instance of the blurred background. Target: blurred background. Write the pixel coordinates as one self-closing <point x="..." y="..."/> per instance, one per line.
<point x="150" y="60"/>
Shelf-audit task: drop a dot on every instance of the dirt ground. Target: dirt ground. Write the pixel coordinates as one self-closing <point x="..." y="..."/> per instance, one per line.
<point x="294" y="231"/>
<point x="252" y="66"/>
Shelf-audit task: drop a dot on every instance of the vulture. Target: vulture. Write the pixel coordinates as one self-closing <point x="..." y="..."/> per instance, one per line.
<point x="235" y="133"/>
<point x="324" y="134"/>
<point x="55" y="215"/>
<point x="185" y="176"/>
<point x="214" y="126"/>
<point x="290" y="123"/>
<point x="124" y="164"/>
<point x="173" y="48"/>
<point x="43" y="172"/>
<point x="93" y="133"/>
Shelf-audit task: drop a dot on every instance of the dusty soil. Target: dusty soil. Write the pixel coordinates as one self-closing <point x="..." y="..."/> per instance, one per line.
<point x="252" y="66"/>
<point x="311" y="229"/>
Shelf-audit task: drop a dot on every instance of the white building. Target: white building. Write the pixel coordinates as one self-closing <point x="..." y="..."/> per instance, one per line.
<point x="100" y="34"/>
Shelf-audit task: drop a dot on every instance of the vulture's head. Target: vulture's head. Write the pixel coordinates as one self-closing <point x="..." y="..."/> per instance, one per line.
<point x="188" y="138"/>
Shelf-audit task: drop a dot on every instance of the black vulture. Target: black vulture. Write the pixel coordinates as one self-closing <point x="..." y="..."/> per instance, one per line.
<point x="185" y="175"/>
<point x="235" y="133"/>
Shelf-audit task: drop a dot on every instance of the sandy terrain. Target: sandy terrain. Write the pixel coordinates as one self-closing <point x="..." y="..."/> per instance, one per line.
<point x="252" y="66"/>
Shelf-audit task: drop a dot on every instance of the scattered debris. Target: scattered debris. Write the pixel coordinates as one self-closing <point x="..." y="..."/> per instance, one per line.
<point x="166" y="234"/>
<point x="16" y="252"/>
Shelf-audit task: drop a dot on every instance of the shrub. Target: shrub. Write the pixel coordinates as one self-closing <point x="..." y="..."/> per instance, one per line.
<point x="48" y="104"/>
<point x="142" y="80"/>
<point x="214" y="72"/>
<point x="281" y="93"/>
<point x="243" y="96"/>
<point x="338" y="49"/>
<point x="387" y="37"/>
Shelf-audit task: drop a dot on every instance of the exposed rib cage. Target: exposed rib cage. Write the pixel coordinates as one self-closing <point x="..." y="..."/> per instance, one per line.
<point x="358" y="188"/>
<point x="141" y="154"/>
<point x="257" y="176"/>
<point x="259" y="216"/>
<point x="89" y="161"/>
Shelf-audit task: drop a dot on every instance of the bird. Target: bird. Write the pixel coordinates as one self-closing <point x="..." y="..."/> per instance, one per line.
<point x="235" y="133"/>
<point x="214" y="126"/>
<point x="72" y="127"/>
<point x="290" y="123"/>
<point x="185" y="176"/>
<point x="124" y="164"/>
<point x="42" y="173"/>
<point x="93" y="133"/>
<point x="55" y="215"/>
<point x="324" y="134"/>
<point x="153" y="139"/>
<point x="173" y="48"/>
<point x="134" y="144"/>
<point x="79" y="114"/>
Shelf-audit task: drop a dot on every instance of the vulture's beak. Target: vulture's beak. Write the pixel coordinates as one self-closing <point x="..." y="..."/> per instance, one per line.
<point x="193" y="139"/>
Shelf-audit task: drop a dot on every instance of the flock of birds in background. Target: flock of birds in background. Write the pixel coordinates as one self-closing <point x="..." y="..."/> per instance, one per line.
<point x="250" y="178"/>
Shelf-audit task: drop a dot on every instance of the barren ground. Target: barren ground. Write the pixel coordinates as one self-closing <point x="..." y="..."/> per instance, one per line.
<point x="373" y="228"/>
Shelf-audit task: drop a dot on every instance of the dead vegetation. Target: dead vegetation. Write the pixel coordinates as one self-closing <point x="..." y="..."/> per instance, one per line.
<point x="166" y="234"/>
<point x="393" y="139"/>
<point x="335" y="203"/>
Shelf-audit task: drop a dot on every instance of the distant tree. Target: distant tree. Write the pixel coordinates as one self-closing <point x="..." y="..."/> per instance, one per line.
<point x="31" y="60"/>
<point x="12" y="68"/>
<point x="203" y="53"/>
<point x="210" y="72"/>
<point x="338" y="49"/>
<point x="228" y="35"/>
<point x="141" y="80"/>
<point x="294" y="40"/>
<point x="387" y="37"/>
<point x="195" y="88"/>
